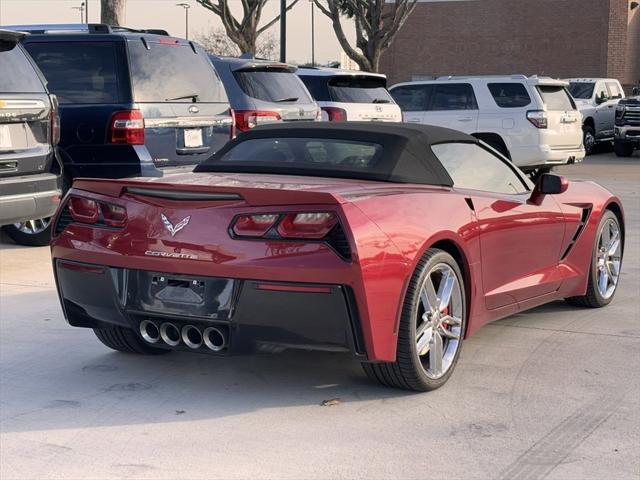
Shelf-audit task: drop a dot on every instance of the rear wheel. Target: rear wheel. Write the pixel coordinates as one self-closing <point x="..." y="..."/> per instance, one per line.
<point x="623" y="149"/>
<point x="125" y="340"/>
<point x="33" y="233"/>
<point x="432" y="325"/>
<point x="604" y="270"/>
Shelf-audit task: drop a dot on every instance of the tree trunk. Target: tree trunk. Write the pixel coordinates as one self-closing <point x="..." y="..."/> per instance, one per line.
<point x="112" y="12"/>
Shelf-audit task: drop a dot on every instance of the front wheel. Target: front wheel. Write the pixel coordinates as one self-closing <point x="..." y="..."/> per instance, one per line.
<point x="604" y="269"/>
<point x="33" y="233"/>
<point x="588" y="139"/>
<point x="431" y="329"/>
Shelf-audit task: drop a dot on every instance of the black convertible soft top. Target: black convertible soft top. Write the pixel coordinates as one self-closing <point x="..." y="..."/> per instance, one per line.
<point x="406" y="156"/>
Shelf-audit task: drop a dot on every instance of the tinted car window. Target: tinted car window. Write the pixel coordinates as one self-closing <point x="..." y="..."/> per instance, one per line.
<point x="18" y="75"/>
<point x="581" y="89"/>
<point x="556" y="98"/>
<point x="471" y="166"/>
<point x="79" y="72"/>
<point x="359" y="89"/>
<point x="509" y="95"/>
<point x="170" y="72"/>
<point x="454" y="96"/>
<point x="317" y="87"/>
<point x="301" y="152"/>
<point x="412" y="98"/>
<point x="272" y="86"/>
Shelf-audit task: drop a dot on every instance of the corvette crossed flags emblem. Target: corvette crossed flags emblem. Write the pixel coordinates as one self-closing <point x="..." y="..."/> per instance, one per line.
<point x="173" y="229"/>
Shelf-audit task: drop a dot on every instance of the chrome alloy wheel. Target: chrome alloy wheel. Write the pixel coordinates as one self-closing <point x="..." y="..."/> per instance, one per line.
<point x="589" y="141"/>
<point x="439" y="323"/>
<point x="608" y="258"/>
<point x="33" y="227"/>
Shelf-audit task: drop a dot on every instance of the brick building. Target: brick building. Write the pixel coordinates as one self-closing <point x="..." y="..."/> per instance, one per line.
<point x="559" y="38"/>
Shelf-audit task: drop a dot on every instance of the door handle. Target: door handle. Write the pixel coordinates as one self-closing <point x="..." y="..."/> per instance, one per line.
<point x="465" y="119"/>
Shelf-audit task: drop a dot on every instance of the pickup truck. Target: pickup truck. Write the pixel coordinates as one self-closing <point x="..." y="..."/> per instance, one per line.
<point x="627" y="125"/>
<point x="596" y="99"/>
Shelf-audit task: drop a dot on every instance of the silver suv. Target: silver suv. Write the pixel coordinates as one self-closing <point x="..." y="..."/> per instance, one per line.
<point x="29" y="133"/>
<point x="261" y="91"/>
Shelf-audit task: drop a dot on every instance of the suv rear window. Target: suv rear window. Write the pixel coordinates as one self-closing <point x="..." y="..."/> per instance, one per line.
<point x="412" y="98"/>
<point x="79" y="72"/>
<point x="272" y="86"/>
<point x="454" y="96"/>
<point x="509" y="95"/>
<point x="556" y="98"/>
<point x="18" y="75"/>
<point x="359" y="89"/>
<point x="169" y="72"/>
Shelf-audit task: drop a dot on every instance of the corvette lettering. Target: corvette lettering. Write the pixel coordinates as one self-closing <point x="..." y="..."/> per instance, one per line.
<point x="184" y="256"/>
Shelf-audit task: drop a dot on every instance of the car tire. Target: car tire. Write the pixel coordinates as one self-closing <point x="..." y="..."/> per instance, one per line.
<point x="588" y="139"/>
<point x="125" y="340"/>
<point x="597" y="296"/>
<point x="415" y="368"/>
<point x="623" y="149"/>
<point x="32" y="233"/>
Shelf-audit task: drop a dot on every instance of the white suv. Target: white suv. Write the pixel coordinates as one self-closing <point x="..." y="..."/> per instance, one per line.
<point x="531" y="120"/>
<point x="596" y="99"/>
<point x="350" y="95"/>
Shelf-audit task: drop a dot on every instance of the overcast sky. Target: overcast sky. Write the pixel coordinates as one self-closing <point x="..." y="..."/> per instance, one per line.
<point x="165" y="14"/>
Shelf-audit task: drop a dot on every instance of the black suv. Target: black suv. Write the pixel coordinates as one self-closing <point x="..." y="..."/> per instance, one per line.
<point x="29" y="171"/>
<point x="131" y="102"/>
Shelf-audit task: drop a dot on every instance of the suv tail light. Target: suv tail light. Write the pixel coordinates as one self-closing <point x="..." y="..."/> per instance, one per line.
<point x="232" y="131"/>
<point x="88" y="210"/>
<point x="247" y="119"/>
<point x="538" y="118"/>
<point x="314" y="225"/>
<point x="54" y="120"/>
<point x="334" y="114"/>
<point x="127" y="127"/>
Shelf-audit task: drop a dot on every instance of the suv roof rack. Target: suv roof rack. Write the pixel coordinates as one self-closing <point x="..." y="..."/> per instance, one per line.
<point x="82" y="28"/>
<point x="515" y="76"/>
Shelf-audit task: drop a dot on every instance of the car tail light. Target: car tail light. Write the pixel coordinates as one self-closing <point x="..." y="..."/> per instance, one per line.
<point x="113" y="215"/>
<point x="538" y="118"/>
<point x="127" y="127"/>
<point x="54" y="120"/>
<point x="334" y="114"/>
<point x="84" y="210"/>
<point x="232" y="131"/>
<point x="247" y="119"/>
<point x="254" y="225"/>
<point x="313" y="225"/>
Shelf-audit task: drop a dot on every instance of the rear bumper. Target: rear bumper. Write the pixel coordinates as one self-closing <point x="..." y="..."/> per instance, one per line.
<point x="29" y="197"/>
<point x="256" y="316"/>
<point x="545" y="155"/>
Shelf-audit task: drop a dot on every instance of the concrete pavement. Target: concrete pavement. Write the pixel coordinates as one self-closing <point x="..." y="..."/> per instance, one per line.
<point x="553" y="393"/>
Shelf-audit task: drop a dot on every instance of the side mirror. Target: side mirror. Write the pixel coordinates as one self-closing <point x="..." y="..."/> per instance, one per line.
<point x="601" y="98"/>
<point x="635" y="91"/>
<point x="549" y="184"/>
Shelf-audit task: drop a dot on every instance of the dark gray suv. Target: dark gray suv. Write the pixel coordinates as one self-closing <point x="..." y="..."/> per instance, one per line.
<point x="29" y="132"/>
<point x="262" y="91"/>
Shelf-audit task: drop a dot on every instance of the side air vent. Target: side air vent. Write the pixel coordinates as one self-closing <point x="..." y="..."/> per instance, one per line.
<point x="583" y="221"/>
<point x="63" y="221"/>
<point x="338" y="241"/>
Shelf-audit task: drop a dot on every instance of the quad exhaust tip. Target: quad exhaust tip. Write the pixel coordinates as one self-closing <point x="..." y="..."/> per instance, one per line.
<point x="170" y="334"/>
<point x="213" y="338"/>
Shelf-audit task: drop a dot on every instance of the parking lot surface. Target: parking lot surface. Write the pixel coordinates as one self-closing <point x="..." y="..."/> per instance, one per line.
<point x="551" y="393"/>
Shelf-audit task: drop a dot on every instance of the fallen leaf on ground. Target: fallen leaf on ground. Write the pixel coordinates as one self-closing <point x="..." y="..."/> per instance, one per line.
<point x="330" y="403"/>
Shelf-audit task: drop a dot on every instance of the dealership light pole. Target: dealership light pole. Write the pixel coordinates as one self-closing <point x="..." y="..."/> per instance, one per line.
<point x="283" y="30"/>
<point x="186" y="7"/>
<point x="81" y="9"/>
<point x="313" y="37"/>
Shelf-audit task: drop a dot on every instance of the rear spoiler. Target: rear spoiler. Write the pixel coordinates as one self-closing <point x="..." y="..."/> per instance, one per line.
<point x="265" y="67"/>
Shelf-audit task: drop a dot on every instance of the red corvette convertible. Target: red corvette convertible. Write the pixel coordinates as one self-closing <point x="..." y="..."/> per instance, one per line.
<point x="392" y="242"/>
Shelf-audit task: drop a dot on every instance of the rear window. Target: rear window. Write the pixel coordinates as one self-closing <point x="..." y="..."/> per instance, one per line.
<point x="509" y="95"/>
<point x="317" y="87"/>
<point x="582" y="90"/>
<point x="18" y="75"/>
<point x="359" y="89"/>
<point x="173" y="73"/>
<point x="454" y="96"/>
<point x="614" y="90"/>
<point x="303" y="152"/>
<point x="272" y="86"/>
<point x="412" y="98"/>
<point x="79" y="72"/>
<point x="556" y="98"/>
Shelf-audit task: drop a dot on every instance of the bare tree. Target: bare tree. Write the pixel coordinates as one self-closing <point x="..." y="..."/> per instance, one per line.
<point x="377" y="23"/>
<point x="244" y="32"/>
<point x="112" y="12"/>
<point x="218" y="43"/>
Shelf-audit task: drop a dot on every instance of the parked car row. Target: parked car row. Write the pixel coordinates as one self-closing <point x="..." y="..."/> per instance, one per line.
<point x="138" y="102"/>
